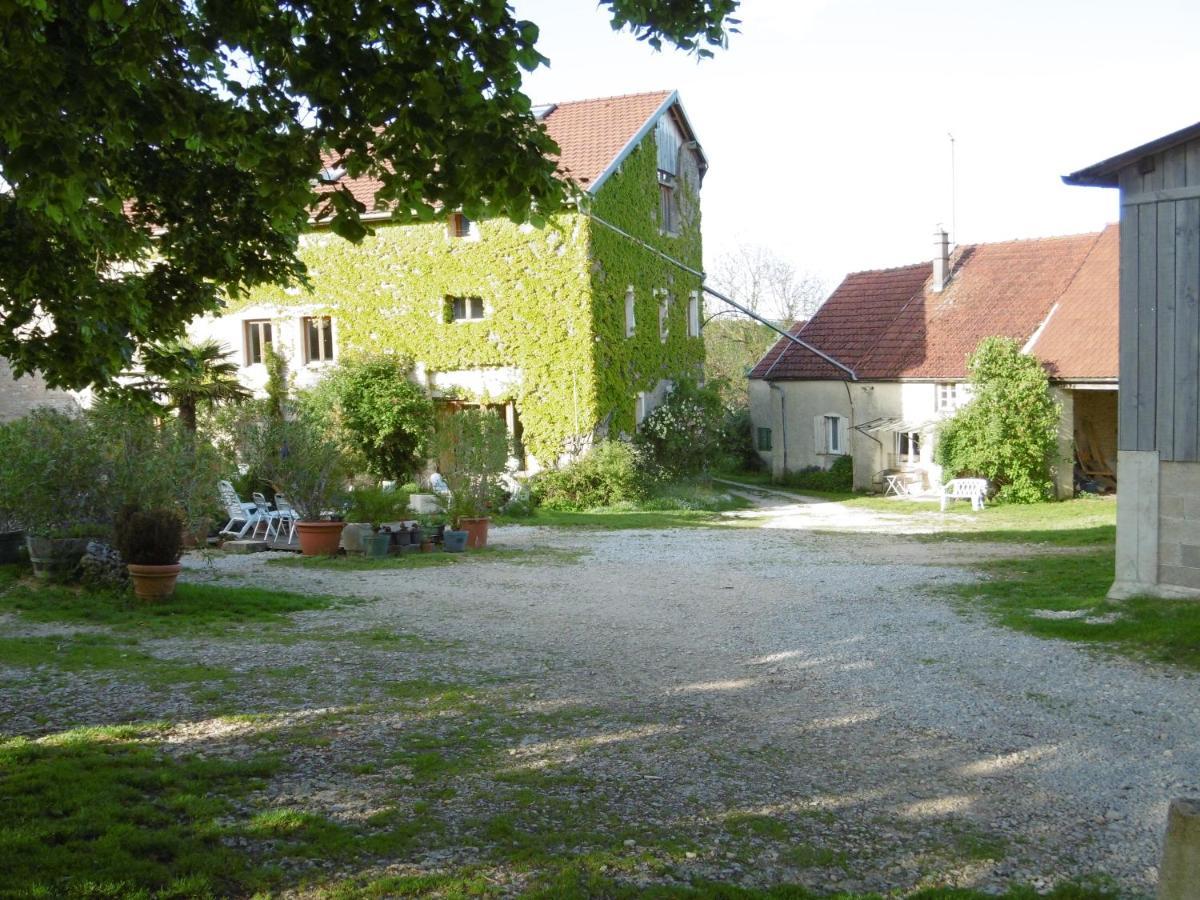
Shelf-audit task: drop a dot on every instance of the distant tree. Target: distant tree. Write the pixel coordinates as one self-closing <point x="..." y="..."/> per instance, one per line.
<point x="766" y="284"/>
<point x="1008" y="432"/>
<point x="157" y="156"/>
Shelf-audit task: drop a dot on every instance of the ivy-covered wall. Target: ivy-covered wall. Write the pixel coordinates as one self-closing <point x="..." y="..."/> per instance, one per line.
<point x="626" y="366"/>
<point x="554" y="301"/>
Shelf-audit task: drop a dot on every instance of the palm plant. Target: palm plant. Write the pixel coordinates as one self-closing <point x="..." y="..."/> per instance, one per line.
<point x="188" y="376"/>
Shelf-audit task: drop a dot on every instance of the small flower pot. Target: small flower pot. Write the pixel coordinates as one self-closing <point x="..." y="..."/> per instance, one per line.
<point x="476" y="528"/>
<point x="319" y="538"/>
<point x="153" y="582"/>
<point x="377" y="545"/>
<point x="454" y="541"/>
<point x="426" y="546"/>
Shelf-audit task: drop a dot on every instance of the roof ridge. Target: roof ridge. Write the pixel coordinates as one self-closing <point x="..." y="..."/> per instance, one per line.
<point x="562" y="103"/>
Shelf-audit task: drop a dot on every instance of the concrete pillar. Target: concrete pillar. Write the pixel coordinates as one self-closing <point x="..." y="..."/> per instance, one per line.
<point x="1137" y="524"/>
<point x="1179" y="873"/>
<point x="1063" y="469"/>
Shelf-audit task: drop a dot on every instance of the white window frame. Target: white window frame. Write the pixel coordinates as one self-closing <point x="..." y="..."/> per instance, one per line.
<point x="630" y="312"/>
<point x="946" y="396"/>
<point x="471" y="303"/>
<point x="664" y="315"/>
<point x="913" y="439"/>
<point x="456" y="231"/>
<point x="833" y="435"/>
<point x="325" y="354"/>
<point x="266" y="338"/>
<point x="694" y="314"/>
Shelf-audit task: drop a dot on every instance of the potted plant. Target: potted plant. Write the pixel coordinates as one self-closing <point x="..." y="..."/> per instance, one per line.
<point x="53" y="485"/>
<point x="151" y="542"/>
<point x="475" y="446"/>
<point x="377" y="505"/>
<point x="301" y="460"/>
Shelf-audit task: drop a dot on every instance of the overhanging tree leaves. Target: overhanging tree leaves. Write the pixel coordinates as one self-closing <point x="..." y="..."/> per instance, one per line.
<point x="156" y="156"/>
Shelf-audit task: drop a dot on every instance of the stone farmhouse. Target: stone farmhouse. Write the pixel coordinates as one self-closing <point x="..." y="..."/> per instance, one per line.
<point x="907" y="333"/>
<point x="570" y="331"/>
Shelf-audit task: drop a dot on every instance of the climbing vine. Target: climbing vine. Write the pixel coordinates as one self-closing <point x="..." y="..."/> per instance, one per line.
<point x="553" y="304"/>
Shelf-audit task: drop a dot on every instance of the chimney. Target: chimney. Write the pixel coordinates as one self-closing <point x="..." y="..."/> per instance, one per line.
<point x="941" y="260"/>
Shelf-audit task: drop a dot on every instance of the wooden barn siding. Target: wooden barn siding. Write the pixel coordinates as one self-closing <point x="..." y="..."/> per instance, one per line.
<point x="1159" y="406"/>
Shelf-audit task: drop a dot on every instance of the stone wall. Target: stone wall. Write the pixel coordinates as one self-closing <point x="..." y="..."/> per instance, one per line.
<point x="1179" y="525"/>
<point x="19" y="396"/>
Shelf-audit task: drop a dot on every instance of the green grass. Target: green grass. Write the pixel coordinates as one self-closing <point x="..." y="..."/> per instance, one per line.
<point x="98" y="652"/>
<point x="539" y="555"/>
<point x="1161" y="630"/>
<point x="621" y="519"/>
<point x="194" y="608"/>
<point x="100" y="812"/>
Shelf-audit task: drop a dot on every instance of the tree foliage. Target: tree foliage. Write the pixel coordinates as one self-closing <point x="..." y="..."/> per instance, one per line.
<point x="610" y="473"/>
<point x="683" y="434"/>
<point x="1008" y="432"/>
<point x="385" y="419"/>
<point x="473" y="447"/>
<point x="155" y="157"/>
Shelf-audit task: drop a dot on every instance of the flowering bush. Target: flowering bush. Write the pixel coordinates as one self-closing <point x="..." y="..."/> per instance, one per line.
<point x="683" y="435"/>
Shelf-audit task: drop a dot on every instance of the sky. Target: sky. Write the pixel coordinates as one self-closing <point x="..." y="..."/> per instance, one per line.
<point x="826" y="122"/>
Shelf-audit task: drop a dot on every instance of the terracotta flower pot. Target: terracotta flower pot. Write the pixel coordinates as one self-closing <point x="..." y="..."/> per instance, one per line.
<point x="319" y="538"/>
<point x="476" y="528"/>
<point x="153" y="582"/>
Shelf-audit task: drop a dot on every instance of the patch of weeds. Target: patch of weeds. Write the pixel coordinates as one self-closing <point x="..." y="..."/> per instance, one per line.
<point x="1160" y="630"/>
<point x="303" y="834"/>
<point x="971" y="843"/>
<point x="534" y="555"/>
<point x="451" y="887"/>
<point x="203" y="609"/>
<point x="388" y="639"/>
<point x="806" y="856"/>
<point x="748" y="825"/>
<point x="100" y="812"/>
<point x="98" y="652"/>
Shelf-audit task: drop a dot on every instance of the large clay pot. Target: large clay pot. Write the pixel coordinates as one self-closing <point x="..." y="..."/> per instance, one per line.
<point x="10" y="546"/>
<point x="153" y="582"/>
<point x="319" y="538"/>
<point x="55" y="557"/>
<point x="476" y="529"/>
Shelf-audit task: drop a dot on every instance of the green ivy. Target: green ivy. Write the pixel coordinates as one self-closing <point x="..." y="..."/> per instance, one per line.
<point x="554" y="302"/>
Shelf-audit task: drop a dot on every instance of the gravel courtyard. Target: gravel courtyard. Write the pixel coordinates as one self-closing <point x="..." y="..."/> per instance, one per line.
<point x="757" y="705"/>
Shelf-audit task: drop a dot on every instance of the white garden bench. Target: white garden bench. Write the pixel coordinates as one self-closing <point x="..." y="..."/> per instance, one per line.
<point x="973" y="489"/>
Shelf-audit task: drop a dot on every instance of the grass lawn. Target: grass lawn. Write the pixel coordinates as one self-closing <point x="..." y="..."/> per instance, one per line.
<point x="1160" y="630"/>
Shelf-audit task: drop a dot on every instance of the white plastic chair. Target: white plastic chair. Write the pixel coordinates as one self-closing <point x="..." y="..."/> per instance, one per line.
<point x="245" y="513"/>
<point x="286" y="514"/>
<point x="267" y="517"/>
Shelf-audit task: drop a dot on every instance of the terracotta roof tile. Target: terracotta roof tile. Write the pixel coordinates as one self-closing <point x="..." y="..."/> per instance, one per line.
<point x="1079" y="340"/>
<point x="590" y="134"/>
<point x="888" y="324"/>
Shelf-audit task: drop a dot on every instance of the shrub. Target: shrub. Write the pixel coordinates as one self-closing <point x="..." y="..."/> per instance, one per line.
<point x="1008" y="432"/>
<point x="299" y="458"/>
<point x="838" y="477"/>
<point x="383" y="417"/>
<point x="378" y="505"/>
<point x="152" y="537"/>
<point x="612" y="472"/>
<point x="737" y="442"/>
<point x="473" y="446"/>
<point x="683" y="435"/>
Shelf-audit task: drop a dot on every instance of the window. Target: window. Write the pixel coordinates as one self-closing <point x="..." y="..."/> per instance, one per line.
<point x="257" y="334"/>
<point x="664" y="313"/>
<point x="908" y="446"/>
<point x="459" y="226"/>
<point x="947" y="397"/>
<point x="693" y="314"/>
<point x="318" y="338"/>
<point x="630" y="312"/>
<point x="461" y="309"/>
<point x="764" y="439"/>
<point x="640" y="409"/>
<point x="668" y="214"/>
<point x="833" y="434"/>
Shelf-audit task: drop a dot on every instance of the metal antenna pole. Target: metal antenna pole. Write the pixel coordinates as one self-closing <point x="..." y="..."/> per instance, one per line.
<point x="953" y="191"/>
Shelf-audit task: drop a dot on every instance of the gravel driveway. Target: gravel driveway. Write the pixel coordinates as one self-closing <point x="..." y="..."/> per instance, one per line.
<point x="817" y="678"/>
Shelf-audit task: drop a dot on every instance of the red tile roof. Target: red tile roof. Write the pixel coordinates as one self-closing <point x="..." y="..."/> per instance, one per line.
<point x="888" y="324"/>
<point x="590" y="135"/>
